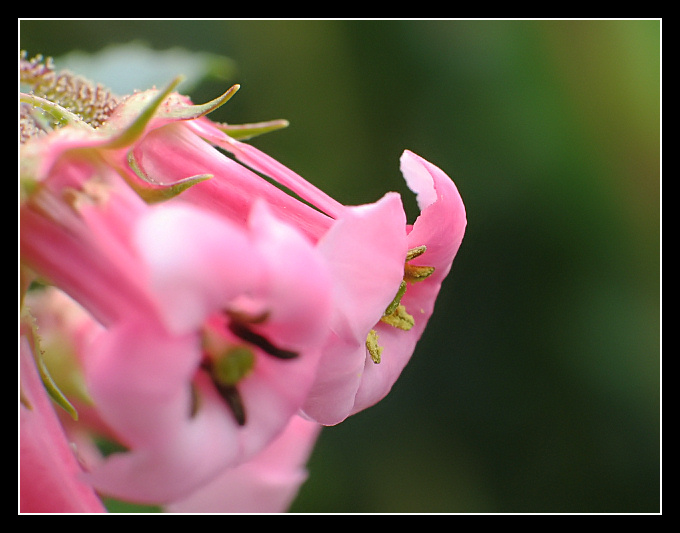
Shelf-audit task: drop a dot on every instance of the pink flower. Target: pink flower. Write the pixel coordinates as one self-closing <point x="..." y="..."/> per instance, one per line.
<point x="226" y="305"/>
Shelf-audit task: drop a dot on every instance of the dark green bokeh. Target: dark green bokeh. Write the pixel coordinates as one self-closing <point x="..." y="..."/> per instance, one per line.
<point x="536" y="387"/>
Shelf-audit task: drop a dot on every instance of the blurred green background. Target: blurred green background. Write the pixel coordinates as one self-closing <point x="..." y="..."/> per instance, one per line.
<point x="536" y="387"/>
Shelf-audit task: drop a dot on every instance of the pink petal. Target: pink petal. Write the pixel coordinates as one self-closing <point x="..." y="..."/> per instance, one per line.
<point x="442" y="221"/>
<point x="268" y="483"/>
<point x="197" y="263"/>
<point x="298" y="290"/>
<point x="365" y="250"/>
<point x="139" y="377"/>
<point x="83" y="246"/>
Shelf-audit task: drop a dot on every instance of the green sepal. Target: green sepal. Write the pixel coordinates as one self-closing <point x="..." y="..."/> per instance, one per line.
<point x="244" y="132"/>
<point x="135" y="130"/>
<point x="161" y="193"/>
<point x="60" y="115"/>
<point x="152" y="192"/>
<point x="190" y="112"/>
<point x="48" y="382"/>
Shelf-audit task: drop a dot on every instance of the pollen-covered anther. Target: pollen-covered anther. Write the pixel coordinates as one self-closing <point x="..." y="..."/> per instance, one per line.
<point x="396" y="301"/>
<point x="395" y="314"/>
<point x="415" y="252"/>
<point x="374" y="349"/>
<point x="415" y="273"/>
<point x="399" y="318"/>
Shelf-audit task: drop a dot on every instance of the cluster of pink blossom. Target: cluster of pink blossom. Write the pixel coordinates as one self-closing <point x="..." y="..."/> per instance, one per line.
<point x="201" y="318"/>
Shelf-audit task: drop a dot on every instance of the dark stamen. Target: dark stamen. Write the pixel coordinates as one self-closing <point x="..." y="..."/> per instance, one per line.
<point x="195" y="402"/>
<point x="234" y="401"/>
<point x="244" y="333"/>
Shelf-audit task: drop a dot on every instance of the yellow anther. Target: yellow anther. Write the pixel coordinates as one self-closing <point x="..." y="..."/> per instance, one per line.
<point x="415" y="252"/>
<point x="415" y="273"/>
<point x="395" y="315"/>
<point x="397" y="299"/>
<point x="374" y="349"/>
<point x="399" y="319"/>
